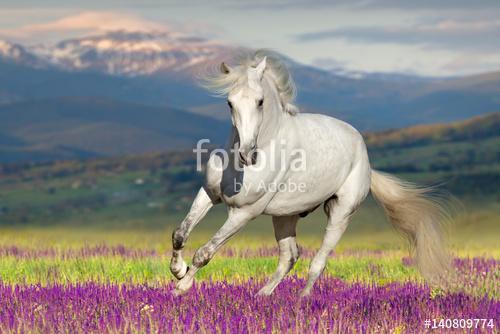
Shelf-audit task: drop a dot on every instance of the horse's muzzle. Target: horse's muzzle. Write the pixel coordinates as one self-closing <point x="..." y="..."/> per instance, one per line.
<point x="248" y="159"/>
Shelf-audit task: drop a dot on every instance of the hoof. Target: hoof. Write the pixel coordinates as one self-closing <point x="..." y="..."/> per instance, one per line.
<point x="179" y="272"/>
<point x="265" y="291"/>
<point x="183" y="286"/>
<point x="178" y="292"/>
<point x="305" y="293"/>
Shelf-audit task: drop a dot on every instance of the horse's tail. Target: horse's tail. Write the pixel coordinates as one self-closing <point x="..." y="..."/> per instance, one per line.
<point x="419" y="218"/>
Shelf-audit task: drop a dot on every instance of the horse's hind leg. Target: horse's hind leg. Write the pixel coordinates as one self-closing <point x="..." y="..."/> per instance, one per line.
<point x="199" y="209"/>
<point x="338" y="219"/>
<point x="339" y="208"/>
<point x="284" y="231"/>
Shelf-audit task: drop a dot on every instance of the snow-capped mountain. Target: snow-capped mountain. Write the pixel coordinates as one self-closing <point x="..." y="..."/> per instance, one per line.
<point x="18" y="54"/>
<point x="155" y="68"/>
<point x="120" y="53"/>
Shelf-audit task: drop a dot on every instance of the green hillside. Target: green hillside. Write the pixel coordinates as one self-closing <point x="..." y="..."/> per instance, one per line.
<point x="479" y="127"/>
<point x="463" y="157"/>
<point x="80" y="127"/>
<point x="157" y="188"/>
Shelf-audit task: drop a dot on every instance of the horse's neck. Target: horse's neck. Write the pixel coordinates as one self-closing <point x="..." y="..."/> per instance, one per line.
<point x="273" y="116"/>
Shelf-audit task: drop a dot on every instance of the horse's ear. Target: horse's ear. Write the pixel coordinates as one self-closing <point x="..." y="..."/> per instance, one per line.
<point x="291" y="109"/>
<point x="224" y="68"/>
<point x="261" y="67"/>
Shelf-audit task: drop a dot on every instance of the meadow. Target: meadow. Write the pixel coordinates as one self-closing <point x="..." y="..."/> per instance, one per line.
<point x="85" y="248"/>
<point x="94" y="280"/>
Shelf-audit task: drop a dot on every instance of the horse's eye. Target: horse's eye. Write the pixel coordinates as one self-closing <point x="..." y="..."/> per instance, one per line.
<point x="260" y="103"/>
<point x="230" y="104"/>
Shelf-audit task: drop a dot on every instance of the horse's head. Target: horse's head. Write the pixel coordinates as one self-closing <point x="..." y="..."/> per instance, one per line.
<point x="259" y="91"/>
<point x="246" y="101"/>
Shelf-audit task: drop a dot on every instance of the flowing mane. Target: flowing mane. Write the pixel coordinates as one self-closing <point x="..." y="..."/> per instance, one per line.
<point x="220" y="84"/>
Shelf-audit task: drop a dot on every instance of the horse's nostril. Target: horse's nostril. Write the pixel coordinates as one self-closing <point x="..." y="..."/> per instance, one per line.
<point x="254" y="157"/>
<point x="242" y="158"/>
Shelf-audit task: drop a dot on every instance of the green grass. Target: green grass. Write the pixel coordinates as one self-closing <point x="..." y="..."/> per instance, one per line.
<point x="474" y="233"/>
<point x="154" y="271"/>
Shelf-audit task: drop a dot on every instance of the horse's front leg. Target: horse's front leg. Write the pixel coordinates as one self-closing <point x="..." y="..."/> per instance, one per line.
<point x="202" y="203"/>
<point x="236" y="220"/>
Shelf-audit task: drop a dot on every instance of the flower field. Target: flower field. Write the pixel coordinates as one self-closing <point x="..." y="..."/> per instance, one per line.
<point x="215" y="307"/>
<point x="63" y="286"/>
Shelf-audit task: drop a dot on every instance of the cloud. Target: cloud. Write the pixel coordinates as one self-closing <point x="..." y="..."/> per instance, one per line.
<point x="84" y="23"/>
<point x="97" y="21"/>
<point x="443" y="34"/>
<point x="329" y="63"/>
<point x="426" y="4"/>
<point x="361" y="4"/>
<point x="471" y="64"/>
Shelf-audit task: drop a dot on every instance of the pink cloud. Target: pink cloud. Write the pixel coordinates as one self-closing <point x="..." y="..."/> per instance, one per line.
<point x="86" y="22"/>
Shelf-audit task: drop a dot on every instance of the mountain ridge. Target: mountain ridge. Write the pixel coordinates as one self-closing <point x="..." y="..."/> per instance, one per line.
<point x="475" y="128"/>
<point x="120" y="53"/>
<point x="156" y="71"/>
<point x="74" y="127"/>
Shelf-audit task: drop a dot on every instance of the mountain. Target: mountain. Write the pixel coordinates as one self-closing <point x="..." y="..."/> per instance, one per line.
<point x="157" y="70"/>
<point x="16" y="53"/>
<point x="468" y="151"/>
<point x="160" y="67"/>
<point x="131" y="53"/>
<point x="376" y="103"/>
<point x="18" y="82"/>
<point x="486" y="126"/>
<point x="76" y="127"/>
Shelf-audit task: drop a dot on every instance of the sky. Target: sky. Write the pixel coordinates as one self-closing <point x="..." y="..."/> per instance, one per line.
<point x="429" y="38"/>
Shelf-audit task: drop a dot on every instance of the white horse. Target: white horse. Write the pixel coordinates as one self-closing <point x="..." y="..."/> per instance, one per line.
<point x="335" y="171"/>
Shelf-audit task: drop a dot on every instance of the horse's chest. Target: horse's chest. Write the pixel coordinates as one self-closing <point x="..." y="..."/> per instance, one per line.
<point x="238" y="191"/>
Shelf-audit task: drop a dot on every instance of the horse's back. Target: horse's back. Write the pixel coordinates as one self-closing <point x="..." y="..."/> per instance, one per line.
<point x="321" y="120"/>
<point x="317" y="129"/>
<point x="333" y="149"/>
